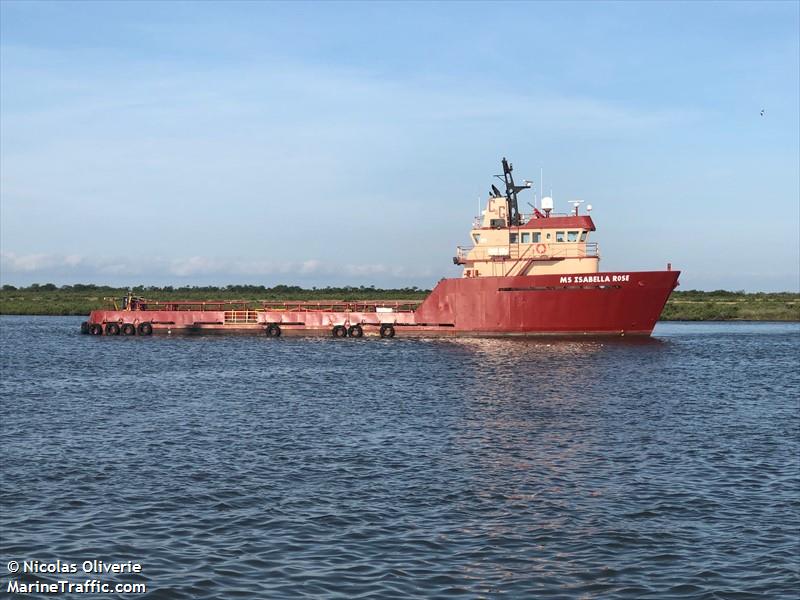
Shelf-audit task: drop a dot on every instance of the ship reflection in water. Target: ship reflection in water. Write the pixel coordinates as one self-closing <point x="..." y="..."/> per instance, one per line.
<point x="523" y="441"/>
<point x="408" y="468"/>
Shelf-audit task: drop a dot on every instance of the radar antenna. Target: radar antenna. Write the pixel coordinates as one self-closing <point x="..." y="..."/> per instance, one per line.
<point x="513" y="215"/>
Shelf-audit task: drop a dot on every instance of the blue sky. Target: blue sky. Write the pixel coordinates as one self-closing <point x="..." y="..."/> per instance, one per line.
<point x="348" y="143"/>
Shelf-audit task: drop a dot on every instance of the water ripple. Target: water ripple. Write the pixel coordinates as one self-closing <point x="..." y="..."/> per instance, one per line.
<point x="475" y="468"/>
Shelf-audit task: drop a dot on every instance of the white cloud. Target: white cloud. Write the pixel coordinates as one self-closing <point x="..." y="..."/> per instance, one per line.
<point x="365" y="269"/>
<point x="30" y="263"/>
<point x="310" y="266"/>
<point x="195" y="265"/>
<point x="74" y="267"/>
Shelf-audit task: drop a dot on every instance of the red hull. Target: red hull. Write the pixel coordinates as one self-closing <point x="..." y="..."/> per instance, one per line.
<point x="599" y="303"/>
<point x="614" y="303"/>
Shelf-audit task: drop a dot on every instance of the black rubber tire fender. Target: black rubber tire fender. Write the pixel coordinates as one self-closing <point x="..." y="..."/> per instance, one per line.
<point x="85" y="328"/>
<point x="95" y="329"/>
<point x="355" y="331"/>
<point x="112" y="329"/>
<point x="273" y="330"/>
<point x="387" y="331"/>
<point x="339" y="331"/>
<point x="145" y="329"/>
<point x="129" y="329"/>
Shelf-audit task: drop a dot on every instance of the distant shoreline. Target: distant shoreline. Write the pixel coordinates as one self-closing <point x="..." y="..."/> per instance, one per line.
<point x="80" y="300"/>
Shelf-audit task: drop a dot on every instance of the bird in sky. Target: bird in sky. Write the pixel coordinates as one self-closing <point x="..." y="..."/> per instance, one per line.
<point x="762" y="112"/>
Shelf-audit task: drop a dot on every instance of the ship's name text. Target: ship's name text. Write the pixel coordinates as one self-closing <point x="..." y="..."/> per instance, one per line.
<point x="594" y="278"/>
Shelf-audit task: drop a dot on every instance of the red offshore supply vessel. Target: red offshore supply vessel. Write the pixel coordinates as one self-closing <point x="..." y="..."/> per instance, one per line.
<point x="523" y="275"/>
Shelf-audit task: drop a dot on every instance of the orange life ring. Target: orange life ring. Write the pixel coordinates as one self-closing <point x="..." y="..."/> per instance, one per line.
<point x="541" y="248"/>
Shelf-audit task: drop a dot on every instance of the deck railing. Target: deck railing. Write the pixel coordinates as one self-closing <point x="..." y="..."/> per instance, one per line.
<point x="550" y="250"/>
<point x="245" y="311"/>
<point x="343" y="305"/>
<point x="241" y="316"/>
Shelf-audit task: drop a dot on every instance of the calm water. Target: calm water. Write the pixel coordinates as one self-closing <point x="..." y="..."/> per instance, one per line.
<point x="246" y="467"/>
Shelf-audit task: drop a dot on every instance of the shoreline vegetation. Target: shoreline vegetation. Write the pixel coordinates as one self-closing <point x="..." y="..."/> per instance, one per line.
<point x="80" y="299"/>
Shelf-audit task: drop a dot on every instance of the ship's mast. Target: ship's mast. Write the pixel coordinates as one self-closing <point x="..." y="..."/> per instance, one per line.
<point x="512" y="214"/>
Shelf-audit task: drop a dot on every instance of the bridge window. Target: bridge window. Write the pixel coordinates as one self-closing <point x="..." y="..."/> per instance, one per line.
<point x="537" y="237"/>
<point x="572" y="236"/>
<point x="559" y="236"/>
<point x="526" y="238"/>
<point x="513" y="238"/>
<point x="583" y="236"/>
<point x="476" y="238"/>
